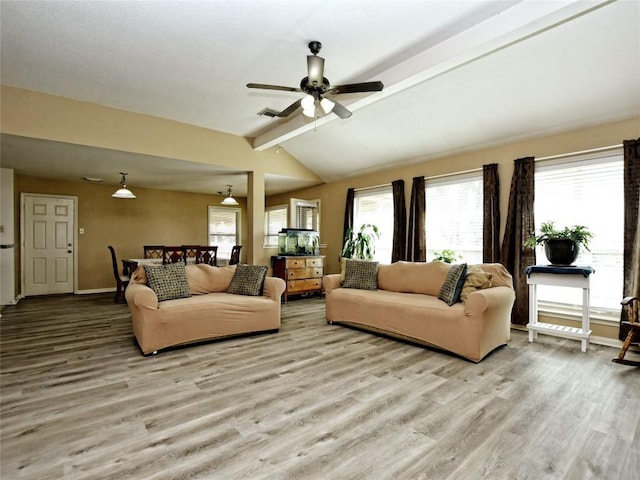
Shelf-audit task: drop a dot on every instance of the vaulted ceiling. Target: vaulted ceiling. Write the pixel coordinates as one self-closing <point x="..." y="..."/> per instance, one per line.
<point x="458" y="75"/>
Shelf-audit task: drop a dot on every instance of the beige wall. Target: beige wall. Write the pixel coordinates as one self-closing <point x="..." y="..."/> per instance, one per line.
<point x="155" y="217"/>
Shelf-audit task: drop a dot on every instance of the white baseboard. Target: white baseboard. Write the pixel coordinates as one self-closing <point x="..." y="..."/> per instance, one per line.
<point x="95" y="290"/>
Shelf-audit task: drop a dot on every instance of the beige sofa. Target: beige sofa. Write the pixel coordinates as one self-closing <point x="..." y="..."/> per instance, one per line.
<point x="210" y="312"/>
<point x="406" y="306"/>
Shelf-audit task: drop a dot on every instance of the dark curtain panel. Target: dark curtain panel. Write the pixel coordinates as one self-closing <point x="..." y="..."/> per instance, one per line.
<point x="416" y="237"/>
<point x="491" y="214"/>
<point x="348" y="213"/>
<point x="520" y="225"/>
<point x="631" y="256"/>
<point x="399" y="222"/>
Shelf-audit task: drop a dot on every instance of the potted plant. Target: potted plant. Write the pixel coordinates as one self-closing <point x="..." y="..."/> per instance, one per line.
<point x="361" y="245"/>
<point x="446" y="256"/>
<point x="561" y="246"/>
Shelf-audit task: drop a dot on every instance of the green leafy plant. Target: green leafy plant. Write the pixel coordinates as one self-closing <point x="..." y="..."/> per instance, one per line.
<point x="446" y="256"/>
<point x="577" y="233"/>
<point x="361" y="244"/>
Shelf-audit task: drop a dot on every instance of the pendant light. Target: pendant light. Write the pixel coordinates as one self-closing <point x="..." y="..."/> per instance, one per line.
<point x="229" y="200"/>
<point x="123" y="192"/>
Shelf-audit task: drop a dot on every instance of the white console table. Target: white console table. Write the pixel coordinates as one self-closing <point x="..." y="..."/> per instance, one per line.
<point x="577" y="277"/>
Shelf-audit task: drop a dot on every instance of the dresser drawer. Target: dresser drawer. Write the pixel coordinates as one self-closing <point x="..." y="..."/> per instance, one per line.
<point x="314" y="262"/>
<point x="296" y="263"/>
<point x="304" y="285"/>
<point x="300" y="273"/>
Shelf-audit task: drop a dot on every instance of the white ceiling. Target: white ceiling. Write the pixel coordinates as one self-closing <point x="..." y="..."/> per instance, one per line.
<point x="458" y="75"/>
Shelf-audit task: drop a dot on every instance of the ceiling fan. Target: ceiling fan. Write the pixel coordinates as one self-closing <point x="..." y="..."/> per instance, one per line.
<point x="315" y="86"/>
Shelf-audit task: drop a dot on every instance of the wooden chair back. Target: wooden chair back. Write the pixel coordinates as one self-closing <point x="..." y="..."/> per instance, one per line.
<point x="632" y="304"/>
<point x="122" y="281"/>
<point x="190" y="252"/>
<point x="208" y="255"/>
<point x="235" y="255"/>
<point x="173" y="254"/>
<point x="153" y="251"/>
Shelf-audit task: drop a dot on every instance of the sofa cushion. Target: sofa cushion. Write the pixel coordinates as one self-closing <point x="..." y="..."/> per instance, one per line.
<point x="452" y="286"/>
<point x="361" y="274"/>
<point x="205" y="278"/>
<point x="168" y="282"/>
<point x="248" y="280"/>
<point x="476" y="279"/>
<point x="413" y="277"/>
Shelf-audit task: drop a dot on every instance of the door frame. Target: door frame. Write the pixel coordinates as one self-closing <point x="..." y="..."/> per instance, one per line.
<point x="74" y="199"/>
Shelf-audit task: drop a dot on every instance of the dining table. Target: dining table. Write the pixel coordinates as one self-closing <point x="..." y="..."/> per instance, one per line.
<point x="129" y="265"/>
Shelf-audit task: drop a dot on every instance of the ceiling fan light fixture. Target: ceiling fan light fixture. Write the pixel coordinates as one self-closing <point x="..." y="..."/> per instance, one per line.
<point x="123" y="192"/>
<point x="229" y="200"/>
<point x="327" y="105"/>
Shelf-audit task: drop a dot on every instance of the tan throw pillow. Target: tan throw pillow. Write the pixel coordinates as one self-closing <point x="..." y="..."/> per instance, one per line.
<point x="343" y="268"/>
<point x="204" y="278"/>
<point x="477" y="279"/>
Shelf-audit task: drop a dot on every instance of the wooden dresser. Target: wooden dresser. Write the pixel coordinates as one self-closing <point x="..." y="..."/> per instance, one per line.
<point x="303" y="274"/>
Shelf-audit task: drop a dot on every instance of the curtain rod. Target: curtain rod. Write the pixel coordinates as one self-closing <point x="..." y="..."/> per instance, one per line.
<point x="479" y="169"/>
<point x="581" y="152"/>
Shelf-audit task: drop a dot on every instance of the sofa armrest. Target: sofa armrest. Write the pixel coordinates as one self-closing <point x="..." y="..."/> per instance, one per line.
<point x="139" y="295"/>
<point x="494" y="298"/>
<point x="273" y="288"/>
<point x="331" y="282"/>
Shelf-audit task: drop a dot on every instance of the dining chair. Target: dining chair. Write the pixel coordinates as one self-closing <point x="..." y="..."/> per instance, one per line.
<point x="208" y="255"/>
<point x="235" y="255"/>
<point x="190" y="252"/>
<point x="122" y="281"/>
<point x="633" y="336"/>
<point x="173" y="254"/>
<point x="153" y="251"/>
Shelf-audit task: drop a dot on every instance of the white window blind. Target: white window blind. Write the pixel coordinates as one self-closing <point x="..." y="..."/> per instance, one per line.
<point x="224" y="229"/>
<point x="305" y="214"/>
<point x="275" y="219"/>
<point x="454" y="216"/>
<point x="585" y="191"/>
<point x="375" y="207"/>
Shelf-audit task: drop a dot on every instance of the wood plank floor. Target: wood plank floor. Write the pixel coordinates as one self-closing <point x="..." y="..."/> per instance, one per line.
<point x="314" y="401"/>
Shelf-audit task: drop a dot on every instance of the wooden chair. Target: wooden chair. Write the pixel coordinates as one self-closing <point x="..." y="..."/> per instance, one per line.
<point x="633" y="306"/>
<point x="208" y="255"/>
<point x="235" y="255"/>
<point x="122" y="281"/>
<point x="173" y="255"/>
<point x="190" y="252"/>
<point x="153" y="251"/>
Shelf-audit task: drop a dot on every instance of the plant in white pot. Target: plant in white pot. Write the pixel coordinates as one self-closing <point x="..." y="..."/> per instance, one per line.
<point x="361" y="244"/>
<point x="561" y="246"/>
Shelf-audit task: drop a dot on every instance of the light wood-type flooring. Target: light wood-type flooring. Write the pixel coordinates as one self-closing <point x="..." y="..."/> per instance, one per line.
<point x="314" y="401"/>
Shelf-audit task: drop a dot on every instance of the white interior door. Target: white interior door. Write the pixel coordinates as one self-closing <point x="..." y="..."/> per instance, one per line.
<point x="48" y="260"/>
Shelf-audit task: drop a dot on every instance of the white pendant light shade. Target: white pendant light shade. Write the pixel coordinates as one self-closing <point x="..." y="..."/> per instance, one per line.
<point x="123" y="192"/>
<point x="229" y="200"/>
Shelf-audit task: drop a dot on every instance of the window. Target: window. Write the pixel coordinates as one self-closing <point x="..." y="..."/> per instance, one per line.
<point x="275" y="219"/>
<point x="375" y="206"/>
<point x="305" y="214"/>
<point x="454" y="216"/>
<point x="224" y="229"/>
<point x="585" y="191"/>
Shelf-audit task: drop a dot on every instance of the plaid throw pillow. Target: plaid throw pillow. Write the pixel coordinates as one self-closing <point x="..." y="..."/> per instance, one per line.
<point x="248" y="280"/>
<point x="168" y="281"/>
<point x="361" y="274"/>
<point x="452" y="286"/>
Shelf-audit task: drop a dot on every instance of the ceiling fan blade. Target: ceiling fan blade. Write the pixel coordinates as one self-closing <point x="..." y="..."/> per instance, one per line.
<point x="340" y="110"/>
<point x="315" y="67"/>
<point x="272" y="87"/>
<point x="290" y="109"/>
<point x="357" y="87"/>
